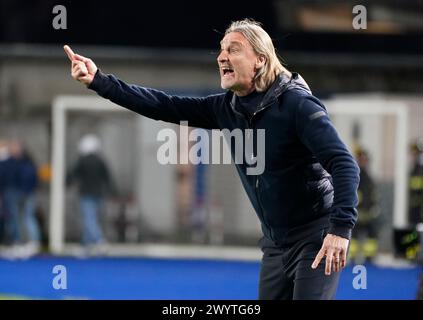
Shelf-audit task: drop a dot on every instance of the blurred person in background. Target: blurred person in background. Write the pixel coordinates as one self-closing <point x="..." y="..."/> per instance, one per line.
<point x="305" y="211"/>
<point x="4" y="156"/>
<point x="29" y="185"/>
<point x="20" y="184"/>
<point x="416" y="202"/>
<point x="91" y="175"/>
<point x="416" y="184"/>
<point x="12" y="193"/>
<point x="364" y="244"/>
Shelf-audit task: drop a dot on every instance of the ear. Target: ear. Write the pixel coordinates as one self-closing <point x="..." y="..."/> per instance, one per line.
<point x="260" y="61"/>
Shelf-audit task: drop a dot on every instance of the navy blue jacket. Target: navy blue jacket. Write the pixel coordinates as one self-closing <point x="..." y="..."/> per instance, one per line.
<point x="310" y="179"/>
<point x="19" y="174"/>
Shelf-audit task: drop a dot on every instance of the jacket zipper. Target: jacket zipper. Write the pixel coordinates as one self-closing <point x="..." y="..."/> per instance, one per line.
<point x="262" y="107"/>
<point x="250" y="122"/>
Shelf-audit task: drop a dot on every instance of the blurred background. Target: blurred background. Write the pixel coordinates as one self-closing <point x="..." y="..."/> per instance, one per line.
<point x="189" y="231"/>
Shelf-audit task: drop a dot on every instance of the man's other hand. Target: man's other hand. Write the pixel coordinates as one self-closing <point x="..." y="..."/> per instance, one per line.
<point x="335" y="249"/>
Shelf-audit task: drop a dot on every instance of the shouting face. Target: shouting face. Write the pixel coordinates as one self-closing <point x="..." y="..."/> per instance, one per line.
<point x="238" y="64"/>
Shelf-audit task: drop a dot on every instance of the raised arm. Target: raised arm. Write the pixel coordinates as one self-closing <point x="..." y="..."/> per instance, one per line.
<point x="155" y="104"/>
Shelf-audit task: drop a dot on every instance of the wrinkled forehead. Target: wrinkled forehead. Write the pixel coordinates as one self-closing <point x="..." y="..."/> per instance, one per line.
<point x="233" y="38"/>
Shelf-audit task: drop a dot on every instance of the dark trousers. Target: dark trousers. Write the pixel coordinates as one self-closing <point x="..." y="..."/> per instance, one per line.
<point x="286" y="272"/>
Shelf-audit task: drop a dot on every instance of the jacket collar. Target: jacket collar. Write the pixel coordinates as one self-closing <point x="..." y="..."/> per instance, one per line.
<point x="280" y="85"/>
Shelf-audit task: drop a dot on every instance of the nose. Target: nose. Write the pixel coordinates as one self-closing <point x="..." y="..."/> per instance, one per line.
<point x="222" y="57"/>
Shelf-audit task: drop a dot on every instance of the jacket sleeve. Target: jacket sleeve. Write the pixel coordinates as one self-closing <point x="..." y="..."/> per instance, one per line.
<point x="319" y="135"/>
<point x="156" y="104"/>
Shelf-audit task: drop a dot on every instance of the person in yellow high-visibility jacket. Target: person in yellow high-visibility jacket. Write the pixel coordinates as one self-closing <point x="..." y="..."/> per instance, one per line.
<point x="416" y="184"/>
<point x="364" y="244"/>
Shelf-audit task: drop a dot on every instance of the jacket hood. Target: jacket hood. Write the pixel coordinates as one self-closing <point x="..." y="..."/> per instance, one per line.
<point x="285" y="83"/>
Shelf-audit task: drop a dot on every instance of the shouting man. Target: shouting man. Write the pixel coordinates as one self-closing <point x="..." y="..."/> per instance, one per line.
<point x="306" y="197"/>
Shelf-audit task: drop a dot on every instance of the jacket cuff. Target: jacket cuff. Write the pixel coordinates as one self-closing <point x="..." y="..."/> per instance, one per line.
<point x="341" y="231"/>
<point x="98" y="81"/>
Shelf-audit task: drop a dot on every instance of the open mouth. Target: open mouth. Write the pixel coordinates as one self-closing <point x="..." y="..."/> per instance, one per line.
<point x="227" y="71"/>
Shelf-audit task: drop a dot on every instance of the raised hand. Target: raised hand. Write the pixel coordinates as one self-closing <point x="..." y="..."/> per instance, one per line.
<point x="83" y="69"/>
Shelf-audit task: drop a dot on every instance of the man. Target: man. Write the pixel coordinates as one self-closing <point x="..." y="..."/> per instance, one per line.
<point x="4" y="157"/>
<point x="364" y="242"/>
<point x="305" y="211"/>
<point x="416" y="184"/>
<point x="20" y="181"/>
<point x="92" y="175"/>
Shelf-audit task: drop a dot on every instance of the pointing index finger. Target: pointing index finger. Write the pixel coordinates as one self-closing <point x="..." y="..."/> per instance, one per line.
<point x="69" y="52"/>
